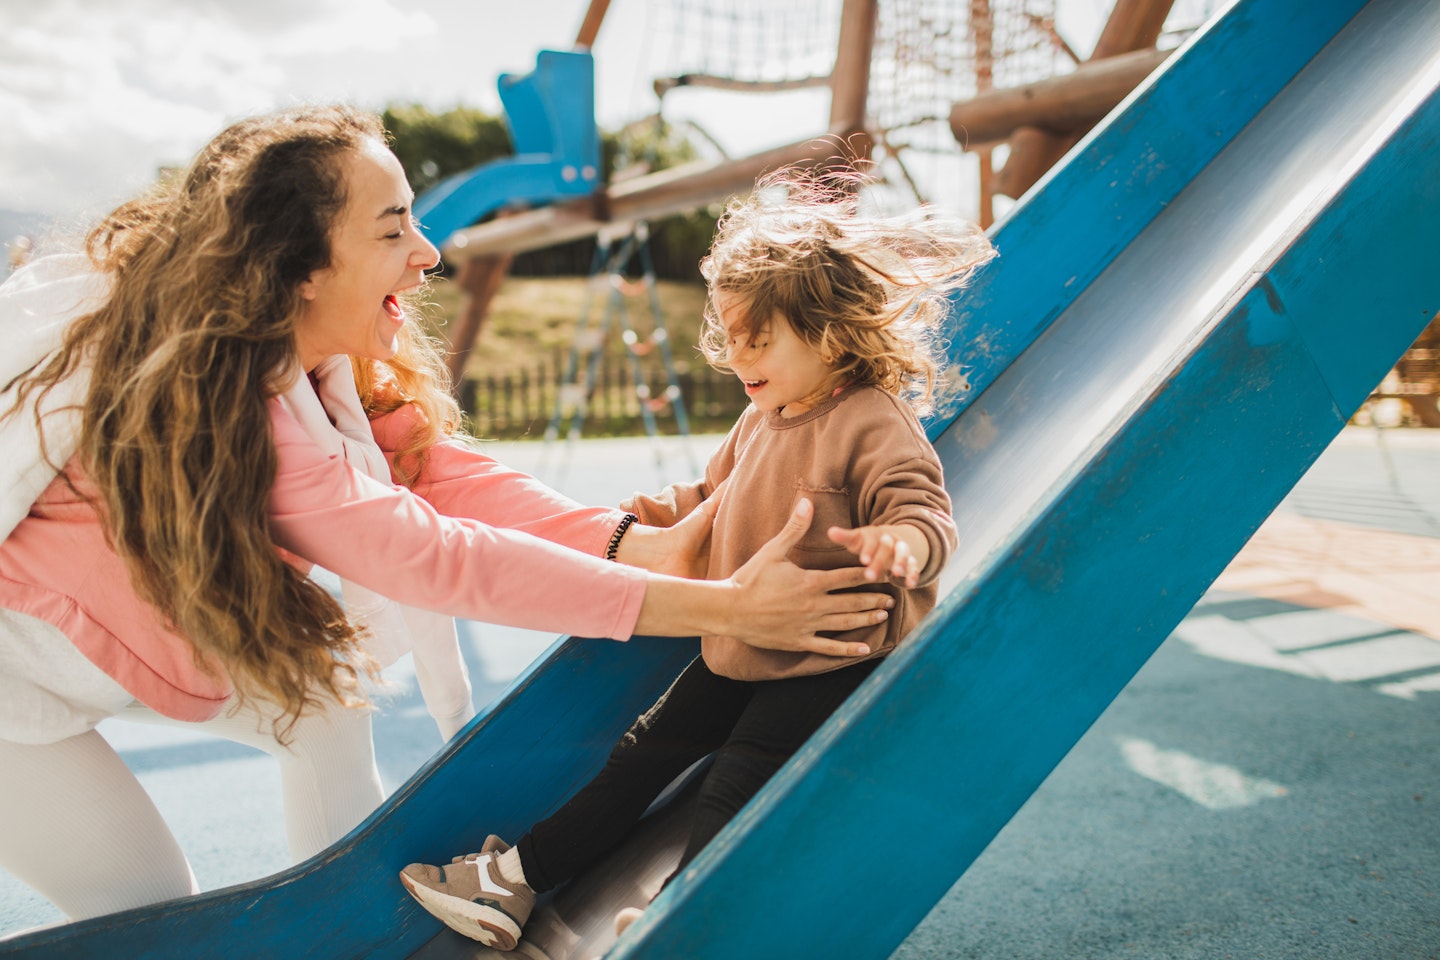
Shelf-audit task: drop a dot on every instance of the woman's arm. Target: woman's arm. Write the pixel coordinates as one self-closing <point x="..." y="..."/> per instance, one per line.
<point x="679" y="550"/>
<point x="393" y="542"/>
<point x="459" y="480"/>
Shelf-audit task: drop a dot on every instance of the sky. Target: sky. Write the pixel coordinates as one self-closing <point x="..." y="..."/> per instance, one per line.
<point x="97" y="95"/>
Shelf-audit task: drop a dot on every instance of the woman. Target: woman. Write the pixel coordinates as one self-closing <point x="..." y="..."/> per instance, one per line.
<point x="248" y="388"/>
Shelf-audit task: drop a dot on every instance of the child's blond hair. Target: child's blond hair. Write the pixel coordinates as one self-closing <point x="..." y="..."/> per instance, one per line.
<point x="868" y="292"/>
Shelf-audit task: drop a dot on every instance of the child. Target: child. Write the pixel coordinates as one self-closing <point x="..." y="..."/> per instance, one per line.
<point x="829" y="317"/>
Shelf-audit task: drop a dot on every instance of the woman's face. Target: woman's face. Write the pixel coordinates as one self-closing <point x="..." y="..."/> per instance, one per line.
<point x="376" y="252"/>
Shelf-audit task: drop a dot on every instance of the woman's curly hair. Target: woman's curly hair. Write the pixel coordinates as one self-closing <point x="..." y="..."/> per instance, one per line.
<point x="867" y="291"/>
<point x="196" y="337"/>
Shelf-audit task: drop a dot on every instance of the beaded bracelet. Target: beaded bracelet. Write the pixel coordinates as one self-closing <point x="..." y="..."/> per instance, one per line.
<point x="614" y="544"/>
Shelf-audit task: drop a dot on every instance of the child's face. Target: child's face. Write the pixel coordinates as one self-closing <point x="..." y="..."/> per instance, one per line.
<point x="780" y="371"/>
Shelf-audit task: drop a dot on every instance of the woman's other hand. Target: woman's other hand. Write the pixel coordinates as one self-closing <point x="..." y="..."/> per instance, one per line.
<point x="769" y="602"/>
<point x="779" y="606"/>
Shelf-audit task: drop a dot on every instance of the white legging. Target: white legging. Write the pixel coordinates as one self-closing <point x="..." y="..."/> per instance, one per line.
<point x="77" y="826"/>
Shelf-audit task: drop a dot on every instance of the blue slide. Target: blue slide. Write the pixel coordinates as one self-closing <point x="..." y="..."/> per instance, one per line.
<point x="1180" y="321"/>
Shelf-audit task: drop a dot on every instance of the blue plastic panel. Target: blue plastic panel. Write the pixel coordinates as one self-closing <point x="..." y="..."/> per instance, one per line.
<point x="551" y="114"/>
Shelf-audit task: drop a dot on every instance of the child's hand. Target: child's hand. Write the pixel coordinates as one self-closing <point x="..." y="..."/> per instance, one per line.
<point x="898" y="551"/>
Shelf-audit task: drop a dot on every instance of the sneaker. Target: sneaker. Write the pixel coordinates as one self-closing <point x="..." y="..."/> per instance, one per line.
<point x="472" y="897"/>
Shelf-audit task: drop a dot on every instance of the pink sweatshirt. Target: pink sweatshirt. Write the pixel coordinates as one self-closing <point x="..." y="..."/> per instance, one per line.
<point x="475" y="540"/>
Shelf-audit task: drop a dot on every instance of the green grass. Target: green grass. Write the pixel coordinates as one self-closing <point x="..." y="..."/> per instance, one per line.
<point x="532" y="318"/>
<point x="533" y="323"/>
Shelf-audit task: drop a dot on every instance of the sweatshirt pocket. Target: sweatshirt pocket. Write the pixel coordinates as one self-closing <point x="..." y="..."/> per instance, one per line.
<point x="816" y="550"/>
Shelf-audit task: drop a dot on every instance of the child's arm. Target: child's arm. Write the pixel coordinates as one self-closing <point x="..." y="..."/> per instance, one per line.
<point x="897" y="550"/>
<point x="669" y="506"/>
<point x="679" y="500"/>
<point x="906" y="516"/>
<point x="673" y="535"/>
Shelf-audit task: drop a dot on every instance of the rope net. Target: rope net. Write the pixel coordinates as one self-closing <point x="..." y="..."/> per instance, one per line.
<point x="749" y="41"/>
<point x="930" y="54"/>
<point x="926" y="56"/>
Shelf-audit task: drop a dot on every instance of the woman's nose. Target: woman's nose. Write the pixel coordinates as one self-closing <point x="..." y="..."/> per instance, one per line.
<point x="426" y="257"/>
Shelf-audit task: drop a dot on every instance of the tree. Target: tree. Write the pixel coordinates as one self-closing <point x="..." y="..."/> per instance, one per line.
<point x="432" y="146"/>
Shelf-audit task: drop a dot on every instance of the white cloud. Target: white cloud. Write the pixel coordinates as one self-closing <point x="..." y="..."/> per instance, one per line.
<point x="359" y="25"/>
<point x="95" y="97"/>
<point x="81" y="121"/>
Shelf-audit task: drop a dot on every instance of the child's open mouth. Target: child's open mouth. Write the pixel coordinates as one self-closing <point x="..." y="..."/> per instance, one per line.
<point x="752" y="385"/>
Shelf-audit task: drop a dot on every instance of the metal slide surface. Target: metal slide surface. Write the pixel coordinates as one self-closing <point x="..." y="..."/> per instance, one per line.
<point x="1179" y="323"/>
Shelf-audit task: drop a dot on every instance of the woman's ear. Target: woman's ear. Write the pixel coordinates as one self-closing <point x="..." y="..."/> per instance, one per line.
<point x="309" y="288"/>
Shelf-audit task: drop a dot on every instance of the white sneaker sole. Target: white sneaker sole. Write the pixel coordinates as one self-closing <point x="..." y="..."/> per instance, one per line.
<point x="474" y="920"/>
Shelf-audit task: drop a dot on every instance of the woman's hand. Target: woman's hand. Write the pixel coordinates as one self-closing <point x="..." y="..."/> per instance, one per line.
<point x="896" y="550"/>
<point x="780" y="606"/>
<point x="679" y="551"/>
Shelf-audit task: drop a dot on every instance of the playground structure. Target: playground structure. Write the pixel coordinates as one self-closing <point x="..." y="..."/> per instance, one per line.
<point x="892" y="69"/>
<point x="1415" y="380"/>
<point x="1110" y="454"/>
<point x="1150" y="379"/>
<point x="989" y="69"/>
<point x="613" y="254"/>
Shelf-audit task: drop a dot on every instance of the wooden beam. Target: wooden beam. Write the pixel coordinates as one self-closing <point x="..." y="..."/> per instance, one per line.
<point x="982" y="29"/>
<point x="1059" y="105"/>
<point x="987" y="189"/>
<point x="1032" y="152"/>
<point x="1133" y="25"/>
<point x="480" y="278"/>
<point x="663" y="85"/>
<point x="644" y="198"/>
<point x="590" y="26"/>
<point x="850" y="79"/>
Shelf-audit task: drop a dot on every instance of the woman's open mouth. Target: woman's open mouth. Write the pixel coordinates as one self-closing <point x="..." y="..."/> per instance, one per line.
<point x="392" y="307"/>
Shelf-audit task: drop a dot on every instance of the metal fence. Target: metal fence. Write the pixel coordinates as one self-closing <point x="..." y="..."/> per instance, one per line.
<point x="520" y="403"/>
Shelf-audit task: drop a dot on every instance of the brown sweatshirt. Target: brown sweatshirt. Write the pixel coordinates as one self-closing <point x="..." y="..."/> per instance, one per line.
<point x="862" y="459"/>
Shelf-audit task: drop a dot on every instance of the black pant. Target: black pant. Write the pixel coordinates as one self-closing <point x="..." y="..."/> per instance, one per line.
<point x="754" y="725"/>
